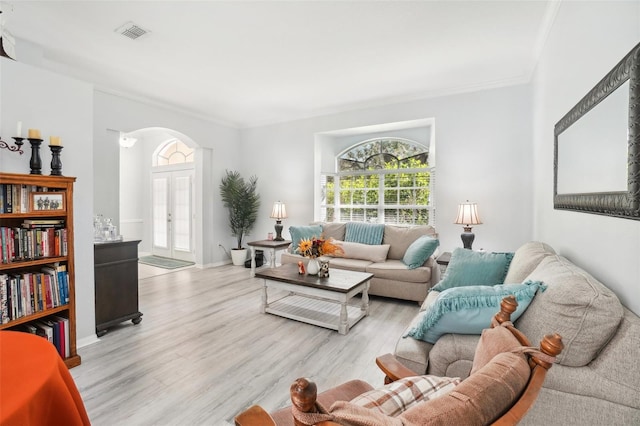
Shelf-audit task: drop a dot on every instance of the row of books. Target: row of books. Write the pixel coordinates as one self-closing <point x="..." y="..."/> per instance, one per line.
<point x="54" y="328"/>
<point x="15" y="198"/>
<point x="33" y="241"/>
<point x="27" y="293"/>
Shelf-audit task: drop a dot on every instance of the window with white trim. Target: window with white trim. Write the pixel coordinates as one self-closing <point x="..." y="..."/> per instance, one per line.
<point x="383" y="180"/>
<point x="173" y="151"/>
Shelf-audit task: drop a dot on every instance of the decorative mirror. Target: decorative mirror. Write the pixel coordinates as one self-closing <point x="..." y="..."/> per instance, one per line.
<point x="596" y="164"/>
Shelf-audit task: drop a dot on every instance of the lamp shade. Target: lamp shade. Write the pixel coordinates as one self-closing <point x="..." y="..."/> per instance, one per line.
<point x="468" y="214"/>
<point x="279" y="211"/>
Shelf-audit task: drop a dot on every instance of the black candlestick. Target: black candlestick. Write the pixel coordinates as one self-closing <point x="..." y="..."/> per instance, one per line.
<point x="35" y="163"/>
<point x="56" y="164"/>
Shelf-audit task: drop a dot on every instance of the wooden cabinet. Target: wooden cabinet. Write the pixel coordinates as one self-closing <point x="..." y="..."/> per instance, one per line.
<point x="37" y="273"/>
<point x="116" y="284"/>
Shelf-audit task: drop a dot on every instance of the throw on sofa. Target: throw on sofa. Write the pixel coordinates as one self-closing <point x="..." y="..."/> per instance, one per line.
<point x="392" y="277"/>
<point x="597" y="377"/>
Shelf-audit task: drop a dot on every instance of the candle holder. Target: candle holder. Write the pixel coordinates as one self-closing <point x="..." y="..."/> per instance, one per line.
<point x="35" y="163"/>
<point x="17" y="147"/>
<point x="56" y="164"/>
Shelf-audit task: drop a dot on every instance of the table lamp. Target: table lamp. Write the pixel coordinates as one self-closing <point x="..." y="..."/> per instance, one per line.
<point x="467" y="216"/>
<point x="278" y="213"/>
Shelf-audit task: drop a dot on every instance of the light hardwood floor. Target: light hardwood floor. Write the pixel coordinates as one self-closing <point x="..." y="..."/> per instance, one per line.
<point x="204" y="352"/>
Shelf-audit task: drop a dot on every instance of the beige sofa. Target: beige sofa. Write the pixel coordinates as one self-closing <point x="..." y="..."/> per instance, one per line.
<point x="391" y="278"/>
<point x="597" y="377"/>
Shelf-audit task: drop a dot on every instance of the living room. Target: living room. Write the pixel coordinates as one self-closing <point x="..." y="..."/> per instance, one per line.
<point x="494" y="146"/>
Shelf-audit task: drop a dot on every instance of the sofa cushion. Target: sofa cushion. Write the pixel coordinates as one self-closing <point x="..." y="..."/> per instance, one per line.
<point x="396" y="397"/>
<point x="419" y="251"/>
<point x="397" y="270"/>
<point x="468" y="310"/>
<point x="468" y="267"/>
<point x="364" y="233"/>
<point x="373" y="253"/>
<point x="299" y="233"/>
<point x="575" y="305"/>
<point x="401" y="237"/>
<point x="479" y="399"/>
<point x="350" y="264"/>
<point x="525" y="260"/>
<point x="335" y="230"/>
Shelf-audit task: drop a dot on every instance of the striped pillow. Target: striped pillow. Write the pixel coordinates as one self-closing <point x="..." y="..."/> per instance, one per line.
<point x="364" y="233"/>
<point x="398" y="396"/>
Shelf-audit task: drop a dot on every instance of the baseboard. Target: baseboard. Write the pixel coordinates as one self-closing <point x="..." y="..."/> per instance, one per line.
<point x="86" y="341"/>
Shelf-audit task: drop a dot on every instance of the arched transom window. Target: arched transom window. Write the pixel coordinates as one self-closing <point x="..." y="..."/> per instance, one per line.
<point x="384" y="180"/>
<point x="174" y="151"/>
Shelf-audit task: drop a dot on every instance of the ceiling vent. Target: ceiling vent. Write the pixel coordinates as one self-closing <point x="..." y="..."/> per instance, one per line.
<point x="131" y="30"/>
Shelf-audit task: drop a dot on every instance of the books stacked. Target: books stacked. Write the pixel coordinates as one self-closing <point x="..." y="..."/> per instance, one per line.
<point x="36" y="238"/>
<point x="31" y="292"/>
<point x="55" y="329"/>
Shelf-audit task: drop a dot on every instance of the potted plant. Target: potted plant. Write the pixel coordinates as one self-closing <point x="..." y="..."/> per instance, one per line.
<point x="240" y="197"/>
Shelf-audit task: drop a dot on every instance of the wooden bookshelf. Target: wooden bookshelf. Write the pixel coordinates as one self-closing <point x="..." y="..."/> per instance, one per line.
<point x="27" y="209"/>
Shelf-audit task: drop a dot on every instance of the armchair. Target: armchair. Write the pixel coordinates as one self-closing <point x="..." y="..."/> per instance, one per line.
<point x="504" y="383"/>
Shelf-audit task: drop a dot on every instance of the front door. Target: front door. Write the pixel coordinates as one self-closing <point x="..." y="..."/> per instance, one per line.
<point x="172" y="212"/>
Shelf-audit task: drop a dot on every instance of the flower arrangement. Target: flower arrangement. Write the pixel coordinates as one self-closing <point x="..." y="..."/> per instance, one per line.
<point x="316" y="247"/>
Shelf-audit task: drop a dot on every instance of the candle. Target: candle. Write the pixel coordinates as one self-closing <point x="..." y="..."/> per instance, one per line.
<point x="34" y="134"/>
<point x="54" y="140"/>
<point x="19" y="129"/>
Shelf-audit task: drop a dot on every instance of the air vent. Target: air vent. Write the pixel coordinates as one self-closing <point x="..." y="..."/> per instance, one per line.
<point x="131" y="30"/>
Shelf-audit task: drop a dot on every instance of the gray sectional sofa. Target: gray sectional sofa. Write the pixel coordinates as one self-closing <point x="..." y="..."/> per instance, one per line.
<point x="596" y="379"/>
<point x="391" y="277"/>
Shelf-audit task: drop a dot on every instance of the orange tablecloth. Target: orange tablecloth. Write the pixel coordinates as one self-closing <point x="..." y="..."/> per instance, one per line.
<point x="36" y="387"/>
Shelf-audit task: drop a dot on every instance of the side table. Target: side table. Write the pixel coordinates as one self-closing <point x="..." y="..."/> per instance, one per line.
<point x="443" y="260"/>
<point x="272" y="245"/>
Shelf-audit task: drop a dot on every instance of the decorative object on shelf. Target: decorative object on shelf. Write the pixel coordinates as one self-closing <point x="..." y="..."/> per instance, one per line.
<point x="56" y="164"/>
<point x="104" y="230"/>
<point x="35" y="140"/>
<point x="467" y="216"/>
<point x="278" y="213"/>
<point x="47" y="201"/>
<point x="301" y="270"/>
<point x="315" y="248"/>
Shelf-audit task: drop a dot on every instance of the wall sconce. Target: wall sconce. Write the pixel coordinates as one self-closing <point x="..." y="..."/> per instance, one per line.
<point x="467" y="216"/>
<point x="278" y="213"/>
<point x="126" y="142"/>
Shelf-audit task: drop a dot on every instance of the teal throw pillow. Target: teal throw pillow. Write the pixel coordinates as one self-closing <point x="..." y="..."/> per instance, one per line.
<point x="468" y="267"/>
<point x="303" y="233"/>
<point x="468" y="310"/>
<point x="364" y="233"/>
<point x="419" y="251"/>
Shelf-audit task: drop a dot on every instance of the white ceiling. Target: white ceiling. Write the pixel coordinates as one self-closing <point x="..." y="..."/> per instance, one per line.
<point x="251" y="63"/>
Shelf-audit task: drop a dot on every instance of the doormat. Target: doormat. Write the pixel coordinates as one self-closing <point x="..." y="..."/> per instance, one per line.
<point x="164" y="262"/>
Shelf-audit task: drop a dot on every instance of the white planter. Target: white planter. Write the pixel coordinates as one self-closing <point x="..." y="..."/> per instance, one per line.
<point x="238" y="256"/>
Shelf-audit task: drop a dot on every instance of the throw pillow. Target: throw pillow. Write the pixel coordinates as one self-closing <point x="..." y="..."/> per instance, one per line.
<point x="398" y="396"/>
<point x="303" y="233"/>
<point x="364" y="233"/>
<point x="419" y="251"/>
<point x="468" y="267"/>
<point x="363" y="251"/>
<point x="468" y="310"/>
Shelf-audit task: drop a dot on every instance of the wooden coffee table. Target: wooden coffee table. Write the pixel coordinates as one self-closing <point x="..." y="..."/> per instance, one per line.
<point x="319" y="301"/>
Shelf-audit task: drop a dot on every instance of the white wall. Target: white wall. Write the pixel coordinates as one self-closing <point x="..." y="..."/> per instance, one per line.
<point x="587" y="39"/>
<point x="483" y="151"/>
<point x="219" y="150"/>
<point x="58" y="106"/>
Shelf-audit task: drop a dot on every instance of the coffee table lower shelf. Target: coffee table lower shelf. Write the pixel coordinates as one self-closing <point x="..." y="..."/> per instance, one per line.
<point x="315" y="311"/>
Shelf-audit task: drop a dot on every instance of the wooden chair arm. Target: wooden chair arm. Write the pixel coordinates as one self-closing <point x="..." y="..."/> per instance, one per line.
<point x="393" y="369"/>
<point x="254" y="416"/>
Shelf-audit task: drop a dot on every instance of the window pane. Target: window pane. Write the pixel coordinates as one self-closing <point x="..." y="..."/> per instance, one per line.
<point x="160" y="212"/>
<point x="182" y="214"/>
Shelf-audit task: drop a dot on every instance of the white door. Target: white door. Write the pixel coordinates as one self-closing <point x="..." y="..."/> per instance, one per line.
<point x="172" y="212"/>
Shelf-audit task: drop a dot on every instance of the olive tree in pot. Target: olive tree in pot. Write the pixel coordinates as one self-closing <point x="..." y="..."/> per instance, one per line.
<point x="240" y="197"/>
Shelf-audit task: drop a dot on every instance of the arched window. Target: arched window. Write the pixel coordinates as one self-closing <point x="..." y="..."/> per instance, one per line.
<point x="383" y="180"/>
<point x="174" y="151"/>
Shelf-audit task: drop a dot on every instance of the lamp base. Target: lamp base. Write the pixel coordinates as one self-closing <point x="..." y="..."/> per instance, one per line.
<point x="278" y="228"/>
<point x="467" y="237"/>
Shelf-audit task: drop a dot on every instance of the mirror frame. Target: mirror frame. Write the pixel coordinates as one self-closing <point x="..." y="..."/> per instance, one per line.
<point x="625" y="204"/>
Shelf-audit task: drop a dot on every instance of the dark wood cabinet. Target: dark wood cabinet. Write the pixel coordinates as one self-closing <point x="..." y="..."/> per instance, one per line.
<point x="116" y="284"/>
